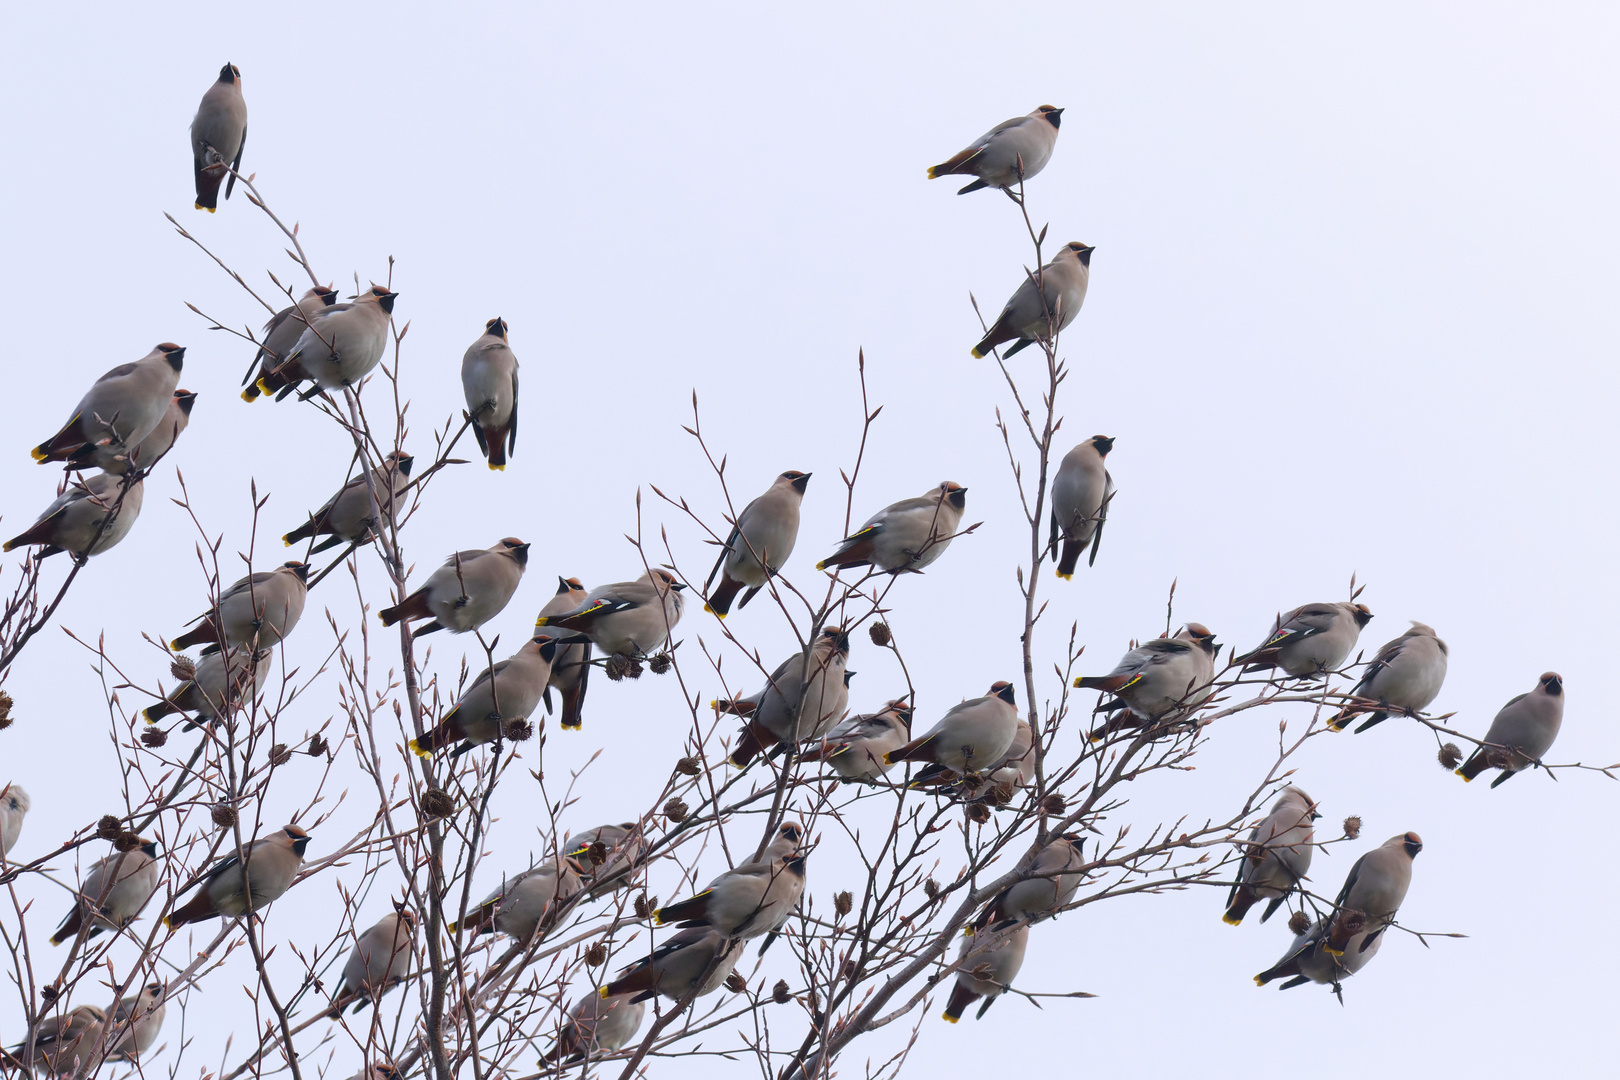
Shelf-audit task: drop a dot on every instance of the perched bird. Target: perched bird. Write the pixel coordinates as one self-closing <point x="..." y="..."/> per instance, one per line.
<point x="855" y="748"/>
<point x="338" y="348"/>
<point x="137" y="1021"/>
<point x="628" y="618"/>
<point x="509" y="690"/>
<point x="616" y="864"/>
<point x="489" y="378"/>
<point x="348" y="516"/>
<point x="471" y="588"/>
<point x="751" y="899"/>
<point x="230" y="889"/>
<point x="997" y="783"/>
<point x="1158" y="678"/>
<point x="1011" y="151"/>
<point x="596" y="1024"/>
<point x="1081" y="492"/>
<point x="988" y="964"/>
<point x="971" y="737"/>
<point x="1307" y="960"/>
<point x="14" y="805"/>
<point x="1054" y="879"/>
<point x="1277" y="857"/>
<point x="524" y="903"/>
<point x="89" y="517"/>
<point x="222" y="680"/>
<point x="218" y="135"/>
<point x="63" y="1044"/>
<point x="1031" y="314"/>
<point x="259" y="610"/>
<point x="904" y="536"/>
<point x="1405" y="676"/>
<point x="1310" y="639"/>
<point x="144" y="454"/>
<point x="121" y="409"/>
<point x="282" y="332"/>
<point x="766" y="530"/>
<point x="1373" y="892"/>
<point x="1521" y="733"/>
<point x="803" y="698"/>
<point x="695" y="962"/>
<point x="571" y="668"/>
<point x="114" y="892"/>
<point x="380" y="961"/>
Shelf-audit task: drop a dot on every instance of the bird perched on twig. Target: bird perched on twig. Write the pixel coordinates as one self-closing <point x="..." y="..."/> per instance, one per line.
<point x="471" y="588"/>
<point x="1032" y="312"/>
<point x="233" y="887"/>
<point x="218" y="136"/>
<point x="1521" y="732"/>
<point x="257" y="611"/>
<point x="906" y="536"/>
<point x="489" y="380"/>
<point x="1310" y="639"/>
<point x="1276" y="858"/>
<point x="282" y="332"/>
<point x="627" y="618"/>
<point x="759" y="544"/>
<point x="1011" y="151"/>
<point x="122" y="408"/>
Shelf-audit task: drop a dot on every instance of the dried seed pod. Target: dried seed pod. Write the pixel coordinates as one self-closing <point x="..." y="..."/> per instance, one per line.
<point x="224" y="815"/>
<point x="109" y="827"/>
<point x="49" y="994"/>
<point x="1298" y="923"/>
<point x="615" y="666"/>
<point x="5" y="710"/>
<point x="633" y="669"/>
<point x="660" y="663"/>
<point x="597" y="853"/>
<point x="675" y="810"/>
<point x="1052" y="805"/>
<point x="880" y="634"/>
<point x="645" y="906"/>
<point x="779" y="992"/>
<point x="1450" y="756"/>
<point x="437" y="803"/>
<point x="689" y="766"/>
<point x="154" y="737"/>
<point x="931" y="887"/>
<point x="317" y="745"/>
<point x="978" y="813"/>
<point x="126" y="842"/>
<point x="1352" y="826"/>
<point x="1352" y="922"/>
<point x="279" y="754"/>
<point x="1498" y="757"/>
<point x="736" y="983"/>
<point x="596" y="955"/>
<point x="183" y="668"/>
<point x="843" y="903"/>
<point x="519" y="730"/>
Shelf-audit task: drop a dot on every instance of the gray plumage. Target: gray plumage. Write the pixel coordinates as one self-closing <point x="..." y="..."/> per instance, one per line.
<point x="1054" y="879"/>
<point x="218" y="137"/>
<point x="571" y="668"/>
<point x="695" y="962"/>
<point x="753" y="898"/>
<point x="855" y="748"/>
<point x="338" y="348"/>
<point x="631" y="618"/>
<point x="1405" y="676"/>
<point x="597" y="1024"/>
<point x="489" y="380"/>
<point x="1160" y="677"/>
<point x="905" y="536"/>
<point x="147" y="452"/>
<point x="350" y="516"/>
<point x="121" y="409"/>
<point x="231" y="889"/>
<point x="1521" y="733"/>
<point x="802" y="699"/>
<point x="1031" y="313"/>
<point x="766" y="530"/>
<point x="971" y="737"/>
<point x="223" y="680"/>
<point x="1012" y="150"/>
<point x="1311" y="639"/>
<point x="624" y="846"/>
<point x="525" y="902"/>
<point x="380" y="960"/>
<point x="506" y="691"/>
<point x="64" y="1043"/>
<point x="89" y="517"/>
<point x="138" y="1019"/>
<point x="282" y="332"/>
<point x="114" y="892"/>
<point x="1373" y="892"/>
<point x="1081" y="492"/>
<point x="988" y="963"/>
<point x="1308" y="961"/>
<point x="471" y="588"/>
<point x="14" y="805"/>
<point x="1276" y="858"/>
<point x="259" y="609"/>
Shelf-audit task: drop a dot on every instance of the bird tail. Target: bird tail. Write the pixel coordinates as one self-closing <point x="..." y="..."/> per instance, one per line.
<point x="1288" y="965"/>
<point x="1113" y="684"/>
<point x="1070" y="558"/>
<point x="208" y="181"/>
<point x="158" y="710"/>
<point x="62" y="445"/>
<point x="496" y="438"/>
<point x="642" y="980"/>
<point x="750" y="742"/>
<point x="303" y="532"/>
<point x="1475" y="765"/>
<point x="70" y="925"/>
<point x="856" y="551"/>
<point x="912" y="751"/>
<point x="38" y="533"/>
<point x="1242" y="900"/>
<point x="200" y="908"/>
<point x="414" y="606"/>
<point x="204" y="633"/>
<point x="695" y="908"/>
<point x="720" y="600"/>
<point x="961" y="998"/>
<point x="448" y="733"/>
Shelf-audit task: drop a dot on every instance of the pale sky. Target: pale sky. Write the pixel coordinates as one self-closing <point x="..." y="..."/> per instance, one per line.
<point x="1350" y="312"/>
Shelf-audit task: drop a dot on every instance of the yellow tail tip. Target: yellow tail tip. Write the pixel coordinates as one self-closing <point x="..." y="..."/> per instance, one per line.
<point x="1466" y="778"/>
<point x="886" y="760"/>
<point x="967" y="931"/>
<point x="932" y="175"/>
<point x="497" y="468"/>
<point x="658" y="917"/>
<point x="1229" y="921"/>
<point x="1065" y="577"/>
<point x="250" y="395"/>
<point x="168" y="922"/>
<point x="711" y="611"/>
<point x="604" y="992"/>
<point x="1331" y="951"/>
<point x="977" y="355"/>
<point x="822" y="565"/>
<point x="7" y="546"/>
<point x="416" y="748"/>
<point x="286" y="542"/>
<point x="264" y="386"/>
<point x="38" y="454"/>
<point x="949" y="1019"/>
<point x="572" y="727"/>
<point x="1258" y="981"/>
<point x="544" y="620"/>
<point x="1077" y="685"/>
<point x="175" y="645"/>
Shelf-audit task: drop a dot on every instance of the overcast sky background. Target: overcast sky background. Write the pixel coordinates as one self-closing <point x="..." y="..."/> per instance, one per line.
<point x="1351" y="311"/>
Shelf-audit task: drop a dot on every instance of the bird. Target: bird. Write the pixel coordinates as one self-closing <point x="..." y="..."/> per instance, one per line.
<point x="282" y="332"/>
<point x="996" y="784"/>
<point x="471" y="588"/>
<point x="855" y="748"/>
<point x="595" y="1024"/>
<point x="1158" y="678"/>
<point x="119" y="410"/>
<point x="14" y="806"/>
<point x="144" y="454"/>
<point x="1031" y="313"/>
<point x="525" y="903"/>
<point x="259" y="610"/>
<point x="88" y="518"/>
<point x="627" y="618"/>
<point x="1405" y="676"/>
<point x="1310" y="639"/>
<point x="971" y="737"/>
<point x="114" y="892"/>
<point x="1522" y="731"/>
<point x="272" y="862"/>
<point x="692" y="963"/>
<point x="507" y="691"/>
<point x="905" y="536"/>
<point x="1373" y="892"/>
<point x="987" y="964"/>
<point x="348" y="517"/>
<point x="381" y="1070"/>
<point x="338" y="348"/>
<point x="218" y="136"/>
<point x="380" y="960"/>
<point x="1081" y="492"/>
<point x="64" y="1044"/>
<point x="1308" y="961"/>
<point x="489" y="379"/>
<point x="616" y="864"/>
<point x="1011" y="151"/>
<point x="222" y="680"/>
<point x="759" y="544"/>
<point x="136" y="1023"/>
<point x="803" y="698"/>
<point x="1054" y="879"/>
<point x="751" y="899"/>
<point x="571" y="669"/>
<point x="1276" y="857"/>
